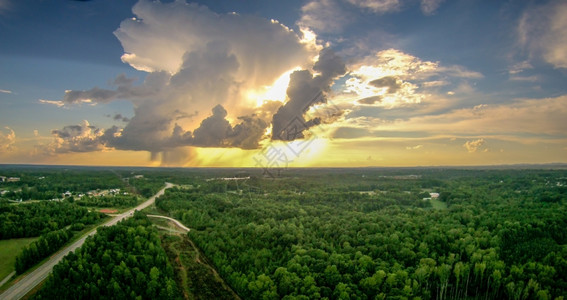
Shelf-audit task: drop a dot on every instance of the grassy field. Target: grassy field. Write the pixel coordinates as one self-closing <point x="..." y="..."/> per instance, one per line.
<point x="9" y="249"/>
<point x="438" y="204"/>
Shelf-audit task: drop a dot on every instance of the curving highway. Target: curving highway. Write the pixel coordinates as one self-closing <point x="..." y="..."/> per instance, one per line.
<point x="27" y="283"/>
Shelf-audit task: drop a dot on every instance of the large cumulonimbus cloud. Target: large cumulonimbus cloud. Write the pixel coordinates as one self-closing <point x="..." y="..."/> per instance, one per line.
<point x="155" y="127"/>
<point x="196" y="60"/>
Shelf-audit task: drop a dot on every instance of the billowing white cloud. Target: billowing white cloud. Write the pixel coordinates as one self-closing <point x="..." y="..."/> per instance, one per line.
<point x="162" y="34"/>
<point x="542" y="30"/>
<point x="7" y="140"/>
<point x="196" y="60"/>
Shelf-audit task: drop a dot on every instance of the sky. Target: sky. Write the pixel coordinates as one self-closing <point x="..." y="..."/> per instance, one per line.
<point x="277" y="84"/>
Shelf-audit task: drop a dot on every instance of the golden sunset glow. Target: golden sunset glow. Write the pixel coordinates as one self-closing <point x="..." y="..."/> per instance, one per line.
<point x="277" y="91"/>
<point x="332" y="84"/>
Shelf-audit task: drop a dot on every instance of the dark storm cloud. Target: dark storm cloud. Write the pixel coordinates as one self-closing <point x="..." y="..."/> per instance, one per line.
<point x="120" y="117"/>
<point x="304" y="91"/>
<point x="124" y="90"/>
<point x="389" y="81"/>
<point x="214" y="131"/>
<point x="370" y="100"/>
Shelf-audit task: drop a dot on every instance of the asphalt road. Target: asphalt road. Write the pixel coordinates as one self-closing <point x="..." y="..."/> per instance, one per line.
<point x="27" y="283"/>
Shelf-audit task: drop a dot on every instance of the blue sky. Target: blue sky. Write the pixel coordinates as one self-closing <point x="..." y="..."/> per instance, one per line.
<point x="428" y="82"/>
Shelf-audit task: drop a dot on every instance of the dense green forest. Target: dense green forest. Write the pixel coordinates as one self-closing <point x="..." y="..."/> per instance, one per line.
<point x="400" y="233"/>
<point x="38" y="250"/>
<point x="125" y="261"/>
<point x="34" y="219"/>
<point x="369" y="234"/>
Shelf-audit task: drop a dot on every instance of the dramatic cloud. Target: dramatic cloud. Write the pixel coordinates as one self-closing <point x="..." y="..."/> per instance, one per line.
<point x="542" y="31"/>
<point x="474" y="146"/>
<point x="196" y="61"/>
<point x="161" y="34"/>
<point x="214" y="131"/>
<point x="304" y="91"/>
<point x="7" y="140"/>
<point x="392" y="78"/>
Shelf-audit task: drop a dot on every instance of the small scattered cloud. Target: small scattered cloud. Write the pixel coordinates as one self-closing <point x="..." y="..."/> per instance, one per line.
<point x="52" y="102"/>
<point x="377" y="6"/>
<point x="6" y="91"/>
<point x="119" y="117"/>
<point x="474" y="145"/>
<point x="532" y="78"/>
<point x="429" y="7"/>
<point x="434" y="83"/>
<point x="520" y="67"/>
<point x="416" y="147"/>
<point x="7" y="140"/>
<point x="324" y="16"/>
<point x="5" y="6"/>
<point x="370" y="100"/>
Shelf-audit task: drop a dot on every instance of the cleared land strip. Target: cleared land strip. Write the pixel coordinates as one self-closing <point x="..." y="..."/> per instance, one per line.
<point x="27" y="283"/>
<point x="172" y="220"/>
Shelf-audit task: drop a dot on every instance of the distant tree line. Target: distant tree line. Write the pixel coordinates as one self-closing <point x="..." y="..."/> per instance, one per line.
<point x="109" y="201"/>
<point x="34" y="219"/>
<point x="46" y="184"/>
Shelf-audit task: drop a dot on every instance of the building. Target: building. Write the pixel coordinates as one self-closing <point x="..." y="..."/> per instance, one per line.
<point x="13" y="179"/>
